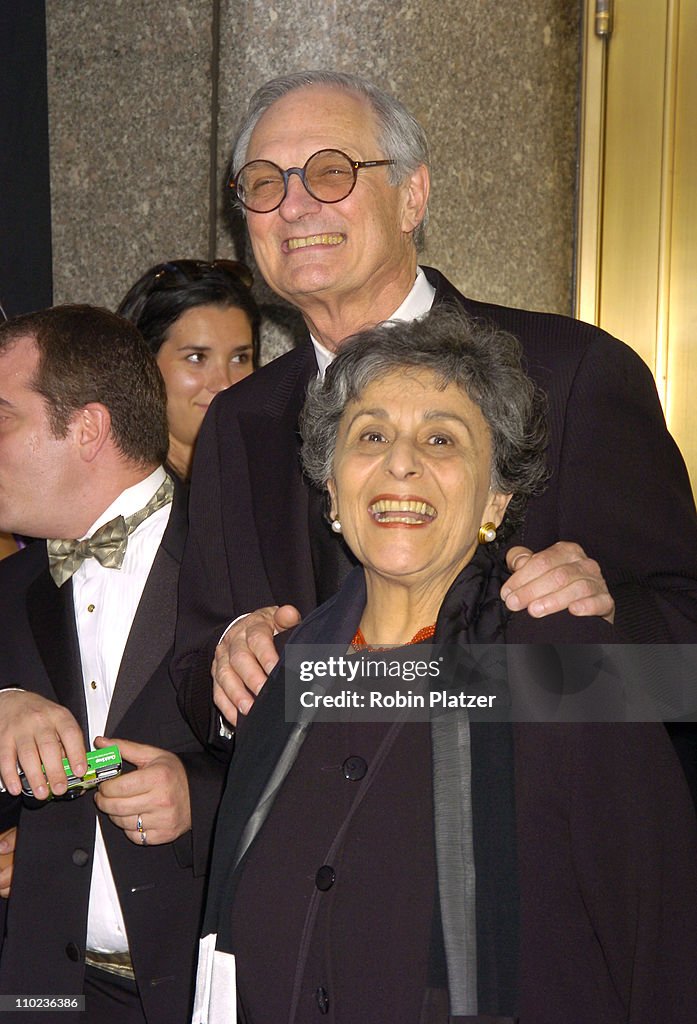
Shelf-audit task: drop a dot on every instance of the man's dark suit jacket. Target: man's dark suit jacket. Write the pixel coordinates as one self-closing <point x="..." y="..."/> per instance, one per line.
<point x="160" y="888"/>
<point x="618" y="487"/>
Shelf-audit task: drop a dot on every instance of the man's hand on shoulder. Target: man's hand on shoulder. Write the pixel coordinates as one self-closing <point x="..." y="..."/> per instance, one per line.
<point x="560" y="578"/>
<point x="245" y="656"/>
<point x="36" y="731"/>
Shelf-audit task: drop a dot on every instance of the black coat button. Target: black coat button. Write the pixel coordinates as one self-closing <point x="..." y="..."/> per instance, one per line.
<point x="325" y="877"/>
<point x="72" y="952"/>
<point x="354" y="768"/>
<point x="322" y="999"/>
<point x="80" y="857"/>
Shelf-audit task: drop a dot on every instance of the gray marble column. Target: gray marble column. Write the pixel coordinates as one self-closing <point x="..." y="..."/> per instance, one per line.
<point x="130" y="129"/>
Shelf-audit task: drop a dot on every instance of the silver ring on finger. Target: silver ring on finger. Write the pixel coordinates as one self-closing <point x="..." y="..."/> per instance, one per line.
<point x="139" y="824"/>
<point x="143" y="837"/>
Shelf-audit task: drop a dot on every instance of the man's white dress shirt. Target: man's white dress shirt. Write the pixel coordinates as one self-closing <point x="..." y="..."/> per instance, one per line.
<point x="105" y="602"/>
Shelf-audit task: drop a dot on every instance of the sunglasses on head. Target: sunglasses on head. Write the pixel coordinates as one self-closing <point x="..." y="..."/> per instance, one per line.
<point x="178" y="272"/>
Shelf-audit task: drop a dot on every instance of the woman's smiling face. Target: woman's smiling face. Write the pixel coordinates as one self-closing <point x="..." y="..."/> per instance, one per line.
<point x="411" y="480"/>
<point x="206" y="349"/>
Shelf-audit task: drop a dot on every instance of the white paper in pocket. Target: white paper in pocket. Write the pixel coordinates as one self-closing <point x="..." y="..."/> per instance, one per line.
<point x="215" y="1000"/>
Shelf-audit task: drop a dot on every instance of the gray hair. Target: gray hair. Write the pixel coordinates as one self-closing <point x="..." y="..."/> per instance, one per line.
<point x="483" y="361"/>
<point x="400" y="136"/>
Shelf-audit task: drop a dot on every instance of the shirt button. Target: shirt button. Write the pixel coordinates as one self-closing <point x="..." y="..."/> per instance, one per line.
<point x="325" y="878"/>
<point x="72" y="952"/>
<point x="80" y="857"/>
<point x="354" y="768"/>
<point x="322" y="997"/>
<point x="90" y="607"/>
<point x="93" y="685"/>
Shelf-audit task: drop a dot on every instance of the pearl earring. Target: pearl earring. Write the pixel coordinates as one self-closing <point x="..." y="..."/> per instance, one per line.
<point x="487" y="533"/>
<point x="336" y="526"/>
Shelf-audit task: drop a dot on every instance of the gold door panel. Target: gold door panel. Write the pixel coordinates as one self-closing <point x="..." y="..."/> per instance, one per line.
<point x="637" y="245"/>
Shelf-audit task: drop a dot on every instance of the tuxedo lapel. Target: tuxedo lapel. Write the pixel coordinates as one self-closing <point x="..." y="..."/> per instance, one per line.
<point x="152" y="631"/>
<point x="272" y="447"/>
<point x="150" y="637"/>
<point x="52" y="621"/>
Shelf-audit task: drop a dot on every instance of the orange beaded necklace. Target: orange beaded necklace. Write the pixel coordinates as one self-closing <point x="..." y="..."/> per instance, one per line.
<point x="359" y="642"/>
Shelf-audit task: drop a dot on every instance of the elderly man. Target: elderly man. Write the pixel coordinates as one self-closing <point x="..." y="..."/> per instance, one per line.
<point x="107" y="890"/>
<point x="333" y="176"/>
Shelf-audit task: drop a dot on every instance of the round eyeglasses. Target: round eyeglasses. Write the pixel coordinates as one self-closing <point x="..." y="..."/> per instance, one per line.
<point x="328" y="175"/>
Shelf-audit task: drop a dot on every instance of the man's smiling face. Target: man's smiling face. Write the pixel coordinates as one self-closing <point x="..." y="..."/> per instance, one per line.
<point x="310" y="251"/>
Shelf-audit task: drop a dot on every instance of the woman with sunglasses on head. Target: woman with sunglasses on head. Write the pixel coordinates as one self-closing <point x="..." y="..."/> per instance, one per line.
<point x="202" y="323"/>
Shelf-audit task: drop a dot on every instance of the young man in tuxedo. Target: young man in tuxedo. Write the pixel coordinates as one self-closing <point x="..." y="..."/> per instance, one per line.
<point x="106" y="890"/>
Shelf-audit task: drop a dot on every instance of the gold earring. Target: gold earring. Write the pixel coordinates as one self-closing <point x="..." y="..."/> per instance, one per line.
<point x="487" y="533"/>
